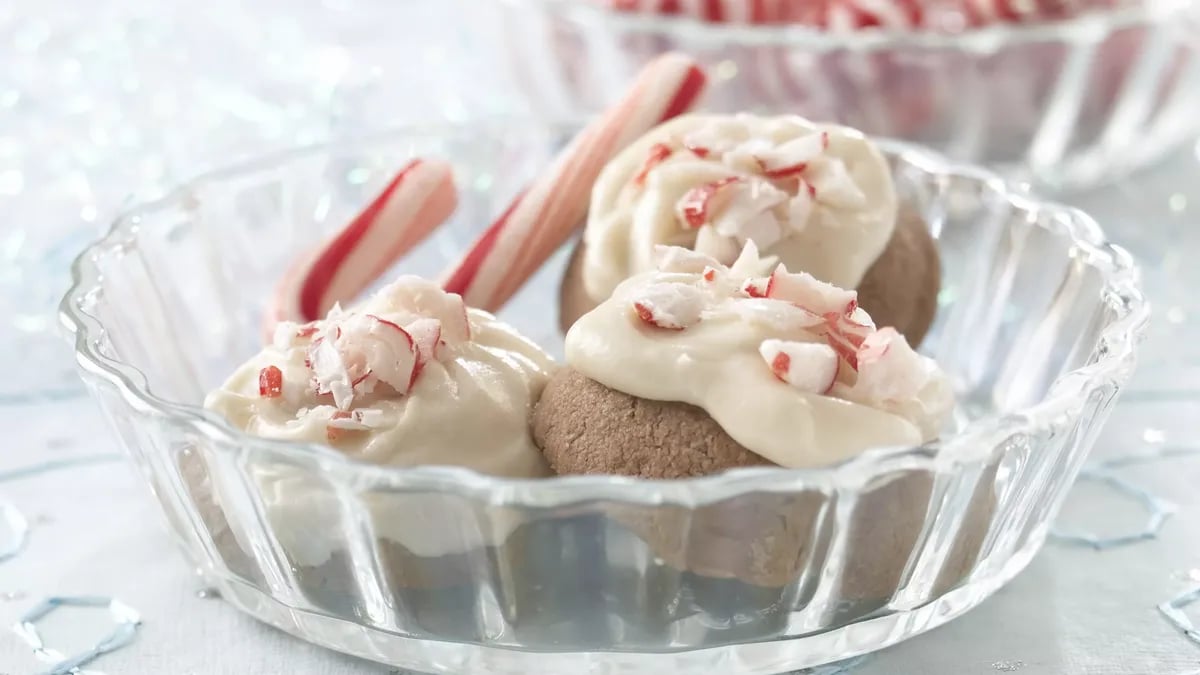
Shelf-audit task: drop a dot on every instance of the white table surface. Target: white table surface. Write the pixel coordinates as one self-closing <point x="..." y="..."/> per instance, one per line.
<point x="95" y="532"/>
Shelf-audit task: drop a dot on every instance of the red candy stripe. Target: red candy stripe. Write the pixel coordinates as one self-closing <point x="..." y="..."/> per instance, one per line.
<point x="418" y="200"/>
<point x="544" y="216"/>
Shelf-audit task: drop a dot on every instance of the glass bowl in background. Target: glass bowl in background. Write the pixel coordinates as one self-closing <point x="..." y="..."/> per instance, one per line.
<point x="446" y="570"/>
<point x="1066" y="104"/>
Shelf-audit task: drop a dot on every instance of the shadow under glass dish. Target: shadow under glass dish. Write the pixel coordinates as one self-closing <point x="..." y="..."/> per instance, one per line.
<point x="445" y="570"/>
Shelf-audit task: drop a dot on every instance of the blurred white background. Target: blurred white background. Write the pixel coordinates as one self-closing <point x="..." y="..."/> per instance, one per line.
<point x="106" y="98"/>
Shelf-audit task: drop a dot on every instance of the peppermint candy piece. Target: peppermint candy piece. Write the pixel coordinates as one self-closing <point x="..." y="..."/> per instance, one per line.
<point x="711" y="244"/>
<point x="748" y="213"/>
<point x="889" y="369"/>
<point x="270" y="382"/>
<point x="833" y="186"/>
<point x="330" y="372"/>
<point x="695" y="208"/>
<point x="810" y="367"/>
<point x="673" y="306"/>
<point x="426" y="298"/>
<point x="793" y="157"/>
<point x="750" y="262"/>
<point x="805" y="290"/>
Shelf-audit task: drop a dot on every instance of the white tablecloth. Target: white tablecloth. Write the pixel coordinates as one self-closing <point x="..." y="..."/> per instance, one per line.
<point x="85" y="101"/>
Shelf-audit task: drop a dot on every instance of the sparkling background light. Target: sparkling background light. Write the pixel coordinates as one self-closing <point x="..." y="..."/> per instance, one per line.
<point x="102" y="99"/>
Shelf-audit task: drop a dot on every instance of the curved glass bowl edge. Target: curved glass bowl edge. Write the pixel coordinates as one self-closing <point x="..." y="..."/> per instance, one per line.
<point x="1110" y="362"/>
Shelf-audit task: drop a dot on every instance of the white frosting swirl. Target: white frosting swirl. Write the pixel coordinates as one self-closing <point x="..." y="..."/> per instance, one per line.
<point x="818" y="197"/>
<point x="410" y="377"/>
<point x="789" y="366"/>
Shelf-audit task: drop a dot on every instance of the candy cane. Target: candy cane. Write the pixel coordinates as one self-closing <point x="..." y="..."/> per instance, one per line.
<point x="713" y="11"/>
<point x="544" y="216"/>
<point x="850" y="15"/>
<point x="419" y="199"/>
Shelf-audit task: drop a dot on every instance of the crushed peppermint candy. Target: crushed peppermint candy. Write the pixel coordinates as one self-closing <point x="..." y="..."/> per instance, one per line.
<point x="350" y="354"/>
<point x="749" y="212"/>
<point x="801" y="207"/>
<point x="696" y="206"/>
<point x="805" y="290"/>
<point x="832" y="185"/>
<point x="270" y="382"/>
<point x="822" y="341"/>
<point x="759" y="189"/>
<point x="846" y="335"/>
<point x="793" y="157"/>
<point x="715" y="245"/>
<point x="329" y="371"/>
<point x="740" y="209"/>
<point x="888" y="368"/>
<point x="673" y="306"/>
<point x="750" y="262"/>
<point x="757" y="288"/>
<point x="808" y="366"/>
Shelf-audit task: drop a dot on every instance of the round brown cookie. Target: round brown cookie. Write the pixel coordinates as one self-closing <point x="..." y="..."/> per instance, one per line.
<point x="583" y="426"/>
<point x="763" y="539"/>
<point x="899" y="290"/>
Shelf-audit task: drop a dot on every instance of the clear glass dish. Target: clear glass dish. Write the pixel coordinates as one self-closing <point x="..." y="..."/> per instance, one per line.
<point x="446" y="570"/>
<point x="1065" y="104"/>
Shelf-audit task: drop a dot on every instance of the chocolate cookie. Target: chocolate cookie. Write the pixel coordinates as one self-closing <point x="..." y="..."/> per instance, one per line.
<point x="762" y="539"/>
<point x="901" y="288"/>
<point x="583" y="426"/>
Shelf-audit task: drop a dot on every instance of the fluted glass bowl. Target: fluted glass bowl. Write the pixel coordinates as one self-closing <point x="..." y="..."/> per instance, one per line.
<point x="446" y="570"/>
<point x="1065" y="104"/>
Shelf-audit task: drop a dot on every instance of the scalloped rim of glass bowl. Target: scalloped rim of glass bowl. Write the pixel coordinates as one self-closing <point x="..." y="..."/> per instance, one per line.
<point x="1092" y="26"/>
<point x="1115" y="349"/>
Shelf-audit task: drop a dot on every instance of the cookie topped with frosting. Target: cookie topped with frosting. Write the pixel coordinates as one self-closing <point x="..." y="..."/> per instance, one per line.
<point x="791" y="369"/>
<point x="412" y="376"/>
<point x="818" y="197"/>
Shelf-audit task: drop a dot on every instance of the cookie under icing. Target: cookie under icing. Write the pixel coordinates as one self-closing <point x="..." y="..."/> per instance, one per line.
<point x="787" y="365"/>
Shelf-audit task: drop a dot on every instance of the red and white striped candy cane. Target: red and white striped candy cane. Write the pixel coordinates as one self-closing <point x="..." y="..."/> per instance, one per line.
<point x="544" y="216"/>
<point x="632" y="6"/>
<point x="853" y="15"/>
<point x="418" y="200"/>
<point x="850" y="15"/>
<point x="713" y="11"/>
<point x="665" y="7"/>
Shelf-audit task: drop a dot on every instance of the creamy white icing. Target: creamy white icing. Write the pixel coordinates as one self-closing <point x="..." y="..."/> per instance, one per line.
<point x="349" y="381"/>
<point x="789" y="366"/>
<point x="410" y="377"/>
<point x="818" y="197"/>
